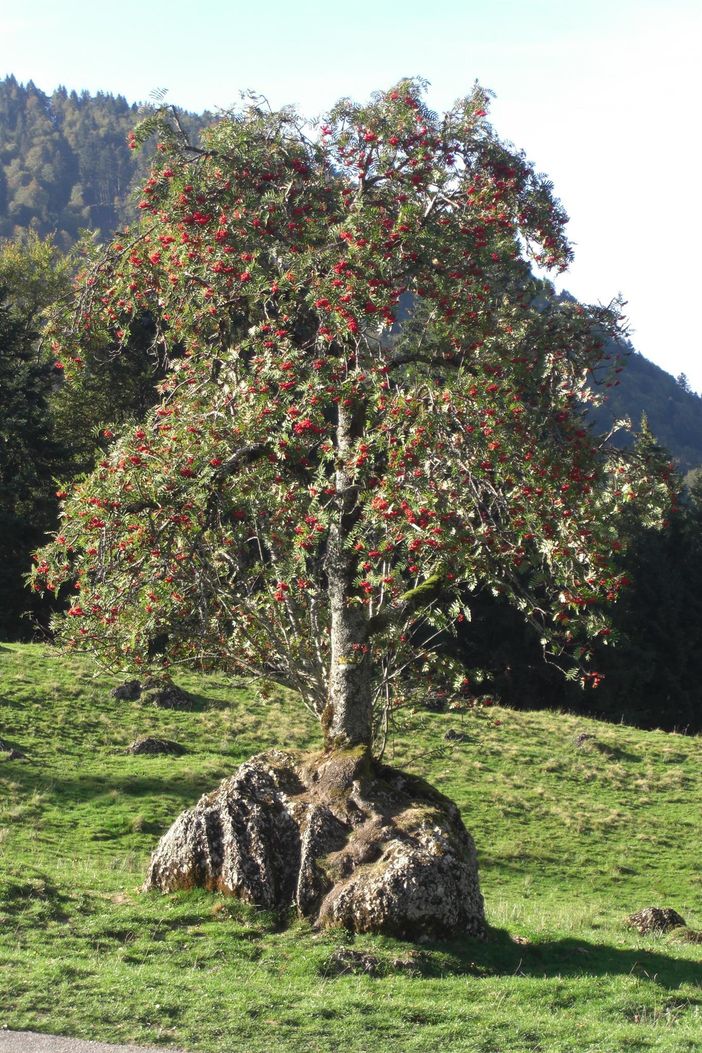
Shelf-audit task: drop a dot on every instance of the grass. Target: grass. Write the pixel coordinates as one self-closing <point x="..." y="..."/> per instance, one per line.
<point x="571" y="840"/>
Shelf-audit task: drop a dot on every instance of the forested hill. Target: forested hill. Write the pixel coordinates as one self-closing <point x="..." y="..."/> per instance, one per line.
<point x="673" y="411"/>
<point x="65" y="166"/>
<point x="64" y="161"/>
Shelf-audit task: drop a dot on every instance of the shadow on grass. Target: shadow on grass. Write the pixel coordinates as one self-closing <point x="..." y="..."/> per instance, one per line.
<point x="182" y="789"/>
<point x="500" y="955"/>
<point x="31" y="892"/>
<point x="12" y="703"/>
<point x="8" y="745"/>
<point x="615" y="753"/>
<point x="197" y="703"/>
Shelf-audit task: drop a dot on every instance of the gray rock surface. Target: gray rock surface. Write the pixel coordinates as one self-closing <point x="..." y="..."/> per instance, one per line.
<point x="456" y="736"/>
<point x="345" y="960"/>
<point x="345" y="841"/>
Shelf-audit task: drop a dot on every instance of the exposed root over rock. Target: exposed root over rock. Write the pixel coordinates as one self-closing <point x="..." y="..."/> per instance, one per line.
<point x="345" y="841"/>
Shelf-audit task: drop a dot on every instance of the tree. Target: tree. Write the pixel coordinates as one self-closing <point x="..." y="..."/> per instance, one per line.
<point x="36" y="276"/>
<point x="32" y="452"/>
<point x="29" y="457"/>
<point x="64" y="161"/>
<point x="652" y="675"/>
<point x="115" y="386"/>
<point x="50" y="430"/>
<point x="319" y="485"/>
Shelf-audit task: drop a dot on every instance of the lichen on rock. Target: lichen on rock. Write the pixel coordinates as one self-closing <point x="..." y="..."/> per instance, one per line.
<point x="342" y="839"/>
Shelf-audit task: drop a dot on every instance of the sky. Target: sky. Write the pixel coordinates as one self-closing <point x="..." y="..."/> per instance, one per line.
<point x="604" y="97"/>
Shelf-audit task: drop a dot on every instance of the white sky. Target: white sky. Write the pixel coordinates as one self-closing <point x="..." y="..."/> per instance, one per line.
<point x="605" y="97"/>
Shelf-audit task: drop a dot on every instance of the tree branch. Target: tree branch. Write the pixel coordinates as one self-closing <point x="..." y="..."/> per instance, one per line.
<point x="244" y="455"/>
<point x="409" y="602"/>
<point x="405" y="358"/>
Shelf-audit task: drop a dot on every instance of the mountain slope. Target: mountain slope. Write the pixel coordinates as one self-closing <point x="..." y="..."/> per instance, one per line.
<point x="64" y="161"/>
<point x="674" y="413"/>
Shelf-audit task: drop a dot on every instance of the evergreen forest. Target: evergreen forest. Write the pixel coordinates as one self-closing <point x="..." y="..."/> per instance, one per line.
<point x="64" y="161"/>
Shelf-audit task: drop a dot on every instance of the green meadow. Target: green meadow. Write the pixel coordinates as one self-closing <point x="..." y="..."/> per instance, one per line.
<point x="572" y="836"/>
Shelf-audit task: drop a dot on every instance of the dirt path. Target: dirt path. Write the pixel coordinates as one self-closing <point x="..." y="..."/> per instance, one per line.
<point x="32" y="1042"/>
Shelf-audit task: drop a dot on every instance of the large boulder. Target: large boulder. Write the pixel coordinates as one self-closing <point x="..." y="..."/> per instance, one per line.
<point x="344" y="840"/>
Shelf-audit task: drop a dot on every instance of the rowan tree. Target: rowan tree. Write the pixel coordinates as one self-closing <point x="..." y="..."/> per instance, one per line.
<point x="324" y="478"/>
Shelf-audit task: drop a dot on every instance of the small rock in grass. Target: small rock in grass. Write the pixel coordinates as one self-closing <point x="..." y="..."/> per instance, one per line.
<point x="344" y="960"/>
<point x="128" y="692"/>
<point x="166" y="695"/>
<point x="456" y="736"/>
<point x="686" y="935"/>
<point x="655" y="920"/>
<point x="412" y="963"/>
<point x="582" y="738"/>
<point x="13" y="753"/>
<point x="152" y="746"/>
<point x="436" y="701"/>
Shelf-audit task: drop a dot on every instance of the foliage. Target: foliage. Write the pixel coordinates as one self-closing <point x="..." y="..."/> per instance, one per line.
<point x="37" y="274"/>
<point x="32" y="453"/>
<point x="575" y="839"/>
<point x="650" y="658"/>
<point x="65" y="166"/>
<point x="116" y="385"/>
<point x="49" y="429"/>
<point x="653" y="675"/>
<point x="298" y="450"/>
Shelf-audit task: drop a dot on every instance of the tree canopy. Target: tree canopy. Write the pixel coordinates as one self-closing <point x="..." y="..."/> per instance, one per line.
<point x="321" y="483"/>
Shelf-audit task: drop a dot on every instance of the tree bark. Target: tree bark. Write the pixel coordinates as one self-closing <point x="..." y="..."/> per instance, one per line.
<point x="348" y="717"/>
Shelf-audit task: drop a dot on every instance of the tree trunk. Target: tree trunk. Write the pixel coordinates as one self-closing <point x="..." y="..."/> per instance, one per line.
<point x="347" y="719"/>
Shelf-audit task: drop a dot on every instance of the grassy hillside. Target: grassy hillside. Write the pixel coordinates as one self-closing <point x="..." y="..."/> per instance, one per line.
<point x="571" y="838"/>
